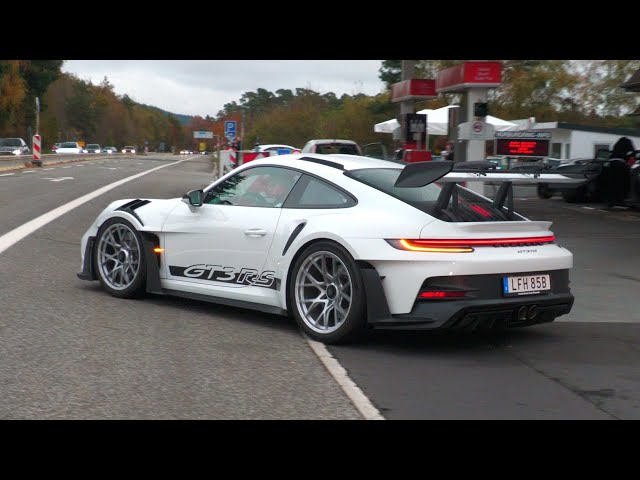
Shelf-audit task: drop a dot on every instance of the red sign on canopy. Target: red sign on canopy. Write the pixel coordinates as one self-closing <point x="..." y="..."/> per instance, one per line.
<point x="416" y="88"/>
<point x="468" y="75"/>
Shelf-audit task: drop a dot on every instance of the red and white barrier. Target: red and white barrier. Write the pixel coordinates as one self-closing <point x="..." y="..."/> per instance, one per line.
<point x="36" y="150"/>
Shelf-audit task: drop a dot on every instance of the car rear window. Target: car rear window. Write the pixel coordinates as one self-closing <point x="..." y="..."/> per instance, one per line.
<point x="332" y="148"/>
<point x="470" y="207"/>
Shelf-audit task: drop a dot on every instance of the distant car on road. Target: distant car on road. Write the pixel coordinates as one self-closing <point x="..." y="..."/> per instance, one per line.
<point x="109" y="150"/>
<point x="13" y="146"/>
<point x="92" y="148"/>
<point x="69" y="147"/>
<point x="129" y="149"/>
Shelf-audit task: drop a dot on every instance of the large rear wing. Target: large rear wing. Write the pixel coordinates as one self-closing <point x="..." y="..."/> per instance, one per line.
<point x="423" y="173"/>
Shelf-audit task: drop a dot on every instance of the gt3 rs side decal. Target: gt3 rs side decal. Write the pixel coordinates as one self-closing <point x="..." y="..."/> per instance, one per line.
<point x="218" y="273"/>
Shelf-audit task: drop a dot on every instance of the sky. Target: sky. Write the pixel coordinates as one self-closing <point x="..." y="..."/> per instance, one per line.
<point x="203" y="87"/>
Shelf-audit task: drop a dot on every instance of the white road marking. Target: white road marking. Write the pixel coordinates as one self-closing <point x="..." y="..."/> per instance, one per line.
<point x="46" y="169"/>
<point x="57" y="179"/>
<point x="80" y="165"/>
<point x="588" y="208"/>
<point x="17" y="234"/>
<point x="337" y="371"/>
<point x="6" y="174"/>
<point x="111" y="168"/>
<point x="28" y="171"/>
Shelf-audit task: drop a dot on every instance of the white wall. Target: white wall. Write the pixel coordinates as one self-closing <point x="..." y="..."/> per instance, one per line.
<point x="582" y="143"/>
<point x="560" y="135"/>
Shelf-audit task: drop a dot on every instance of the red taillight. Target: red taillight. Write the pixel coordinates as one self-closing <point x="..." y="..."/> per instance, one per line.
<point x="427" y="246"/>
<point x="465" y="245"/>
<point x="438" y="294"/>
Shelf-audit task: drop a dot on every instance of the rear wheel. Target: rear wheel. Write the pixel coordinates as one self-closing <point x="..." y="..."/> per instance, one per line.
<point x="119" y="259"/>
<point x="327" y="294"/>
<point x="543" y="191"/>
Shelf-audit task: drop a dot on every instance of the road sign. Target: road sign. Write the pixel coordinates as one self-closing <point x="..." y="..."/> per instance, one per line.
<point x="202" y="134"/>
<point x="230" y="129"/>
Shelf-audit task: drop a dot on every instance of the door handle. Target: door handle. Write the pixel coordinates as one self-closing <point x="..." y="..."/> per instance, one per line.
<point x="255" y="232"/>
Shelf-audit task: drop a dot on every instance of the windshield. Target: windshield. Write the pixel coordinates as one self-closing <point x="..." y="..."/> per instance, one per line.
<point x="69" y="145"/>
<point x="470" y="207"/>
<point x="10" y="142"/>
<point x="93" y="145"/>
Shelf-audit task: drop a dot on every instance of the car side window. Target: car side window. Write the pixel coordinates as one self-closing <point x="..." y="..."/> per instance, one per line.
<point x="255" y="187"/>
<point x="311" y="192"/>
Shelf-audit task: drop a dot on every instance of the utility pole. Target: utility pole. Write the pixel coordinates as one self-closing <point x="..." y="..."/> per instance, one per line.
<point x="408" y="71"/>
<point x="37" y="143"/>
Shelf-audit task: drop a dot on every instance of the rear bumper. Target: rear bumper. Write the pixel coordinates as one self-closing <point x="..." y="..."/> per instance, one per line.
<point x="481" y="314"/>
<point x="484" y="307"/>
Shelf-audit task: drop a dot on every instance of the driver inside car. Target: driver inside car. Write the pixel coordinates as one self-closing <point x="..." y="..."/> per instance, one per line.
<point x="276" y="190"/>
<point x="266" y="191"/>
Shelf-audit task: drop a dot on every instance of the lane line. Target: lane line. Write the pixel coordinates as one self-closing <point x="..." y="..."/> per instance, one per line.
<point x="338" y="372"/>
<point x="28" y="171"/>
<point x="17" y="234"/>
<point x="6" y="174"/>
<point x="45" y="169"/>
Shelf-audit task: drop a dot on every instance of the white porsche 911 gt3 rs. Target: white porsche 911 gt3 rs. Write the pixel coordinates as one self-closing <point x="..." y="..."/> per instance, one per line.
<point x="342" y="243"/>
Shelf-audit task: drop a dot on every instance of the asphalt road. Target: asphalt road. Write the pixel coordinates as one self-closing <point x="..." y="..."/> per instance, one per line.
<point x="70" y="351"/>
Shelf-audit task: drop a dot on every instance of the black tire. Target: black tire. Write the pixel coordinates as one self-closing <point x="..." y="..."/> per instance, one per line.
<point x="543" y="191"/>
<point x="571" y="196"/>
<point x="346" y="321"/>
<point x="133" y="275"/>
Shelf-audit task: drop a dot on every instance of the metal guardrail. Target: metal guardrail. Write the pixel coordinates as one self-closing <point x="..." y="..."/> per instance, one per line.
<point x="12" y="162"/>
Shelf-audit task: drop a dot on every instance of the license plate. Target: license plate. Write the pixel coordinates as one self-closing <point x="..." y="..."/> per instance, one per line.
<point x="525" y="285"/>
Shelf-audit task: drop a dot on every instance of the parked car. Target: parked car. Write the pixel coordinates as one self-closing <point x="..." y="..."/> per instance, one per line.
<point x="13" y="146"/>
<point x="341" y="243"/>
<point x="69" y="147"/>
<point x="129" y="149"/>
<point x="277" y="149"/>
<point x="109" y="150"/>
<point x="593" y="169"/>
<point x="346" y="147"/>
<point x="55" y="146"/>
<point x="332" y="146"/>
<point x="92" y="148"/>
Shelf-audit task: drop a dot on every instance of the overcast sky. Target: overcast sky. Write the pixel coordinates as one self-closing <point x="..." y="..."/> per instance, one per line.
<point x="203" y="87"/>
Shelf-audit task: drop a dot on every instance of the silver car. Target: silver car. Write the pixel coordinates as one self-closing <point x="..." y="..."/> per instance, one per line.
<point x="13" y="146"/>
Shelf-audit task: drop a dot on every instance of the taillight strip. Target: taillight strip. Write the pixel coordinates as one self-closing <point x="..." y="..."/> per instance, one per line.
<point x="465" y="242"/>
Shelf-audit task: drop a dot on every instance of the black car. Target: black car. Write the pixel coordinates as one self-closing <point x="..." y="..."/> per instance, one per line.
<point x="596" y="171"/>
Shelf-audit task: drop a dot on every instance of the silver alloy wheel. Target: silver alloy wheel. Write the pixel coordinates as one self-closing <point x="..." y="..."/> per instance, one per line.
<point x="118" y="256"/>
<point x="323" y="292"/>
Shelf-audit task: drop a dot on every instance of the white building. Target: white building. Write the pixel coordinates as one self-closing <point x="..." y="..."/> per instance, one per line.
<point x="570" y="140"/>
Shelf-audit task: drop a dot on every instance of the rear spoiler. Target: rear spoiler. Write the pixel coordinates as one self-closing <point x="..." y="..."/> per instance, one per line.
<point x="420" y="174"/>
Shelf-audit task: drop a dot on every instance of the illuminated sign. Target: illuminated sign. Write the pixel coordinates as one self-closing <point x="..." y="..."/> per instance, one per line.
<point x="522" y="147"/>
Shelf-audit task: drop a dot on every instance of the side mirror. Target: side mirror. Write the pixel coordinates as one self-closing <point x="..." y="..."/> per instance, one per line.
<point x="194" y="197"/>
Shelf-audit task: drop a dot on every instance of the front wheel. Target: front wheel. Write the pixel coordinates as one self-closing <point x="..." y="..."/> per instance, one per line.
<point x="119" y="259"/>
<point x="327" y="294"/>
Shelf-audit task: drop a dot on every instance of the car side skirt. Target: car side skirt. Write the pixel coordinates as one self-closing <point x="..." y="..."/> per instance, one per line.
<point x="226" y="301"/>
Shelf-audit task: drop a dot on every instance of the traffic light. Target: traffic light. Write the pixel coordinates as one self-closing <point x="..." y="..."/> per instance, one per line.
<point x="480" y="109"/>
